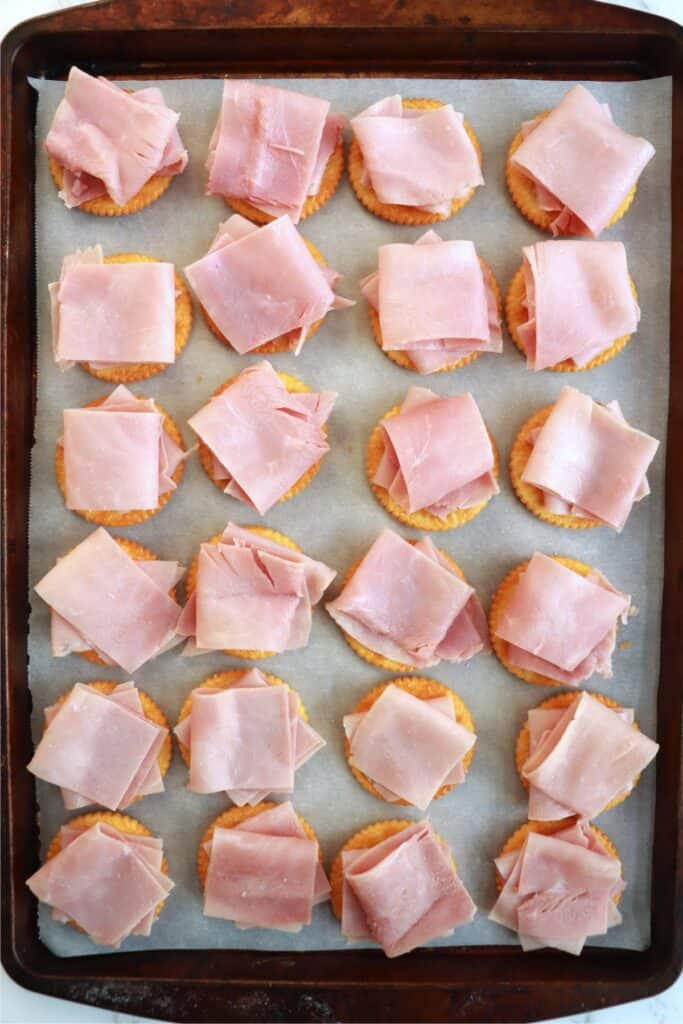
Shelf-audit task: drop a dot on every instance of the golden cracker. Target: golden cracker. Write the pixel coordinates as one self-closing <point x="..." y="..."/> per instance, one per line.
<point x="104" y="206"/>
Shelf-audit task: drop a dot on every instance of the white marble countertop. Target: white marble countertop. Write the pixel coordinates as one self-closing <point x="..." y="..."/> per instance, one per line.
<point x="19" y="1006"/>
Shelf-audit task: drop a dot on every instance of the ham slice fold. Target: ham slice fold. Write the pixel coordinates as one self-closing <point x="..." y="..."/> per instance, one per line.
<point x="405" y="602"/>
<point x="111" y="313"/>
<point x="252" y="594"/>
<point x="248" y="739"/>
<point x="589" y="756"/>
<point x="270" y="146"/>
<point x="582" y="163"/>
<point x="265" y="872"/>
<point x="105" y="881"/>
<point x="263" y="438"/>
<point x="435" y="302"/>
<point x="403" y="892"/>
<point x="412" y="157"/>
<point x="588" y="461"/>
<point x="100" y="749"/>
<point x="559" y="890"/>
<point x="408" y="747"/>
<point x="437" y="456"/>
<point x="110" y="141"/>
<point x="591" y="280"/>
<point x="117" y="455"/>
<point x="259" y="283"/>
<point x="102" y="599"/>
<point x="561" y="624"/>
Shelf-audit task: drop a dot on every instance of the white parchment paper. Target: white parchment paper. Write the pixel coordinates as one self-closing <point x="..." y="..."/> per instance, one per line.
<point x="336" y="518"/>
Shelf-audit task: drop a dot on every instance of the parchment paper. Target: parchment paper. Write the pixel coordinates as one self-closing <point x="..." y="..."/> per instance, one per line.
<point x="336" y="518"/>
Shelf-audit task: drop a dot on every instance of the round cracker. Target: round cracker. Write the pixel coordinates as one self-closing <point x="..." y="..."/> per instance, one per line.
<point x="104" y="206"/>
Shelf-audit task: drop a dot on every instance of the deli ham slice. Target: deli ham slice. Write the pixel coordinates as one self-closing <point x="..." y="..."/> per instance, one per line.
<point x="108" y="600"/>
<point x="582" y="163"/>
<point x="405" y="602"/>
<point x="110" y="141"/>
<point x="258" y="284"/>
<point x="403" y="891"/>
<point x="435" y="302"/>
<point x="588" y="461"/>
<point x="262" y="437"/>
<point x="589" y="278"/>
<point x="412" y="157"/>
<point x="438" y="455"/>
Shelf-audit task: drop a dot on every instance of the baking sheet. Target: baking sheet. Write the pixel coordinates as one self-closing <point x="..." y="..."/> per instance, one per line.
<point x="336" y="518"/>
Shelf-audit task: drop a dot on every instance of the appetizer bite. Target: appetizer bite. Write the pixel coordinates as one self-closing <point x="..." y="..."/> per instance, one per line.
<point x="580" y="754"/>
<point x="263" y="289"/>
<point x="434" y="305"/>
<point x="245" y="733"/>
<point x="554" y="621"/>
<point x="122" y="318"/>
<point x="274" y="152"/>
<point x="407" y="605"/>
<point x="261" y="867"/>
<point x="396" y="884"/>
<point x="413" y="161"/>
<point x="572" y="170"/>
<point x="579" y="464"/>
<point x="263" y="435"/>
<point x="431" y="461"/>
<point x="112" y="151"/>
<point x="409" y="741"/>
<point x="106" y="875"/>
<point x="103" y="743"/>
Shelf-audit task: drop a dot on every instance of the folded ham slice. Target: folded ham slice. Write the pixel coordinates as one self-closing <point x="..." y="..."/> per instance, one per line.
<point x="257" y="284"/>
<point x="593" y="278"/>
<point x="252" y="594"/>
<point x="102" y="599"/>
<point x="403" y="892"/>
<point x="110" y="141"/>
<point x="111" y="313"/>
<point x="270" y="146"/>
<point x="558" y="889"/>
<point x="406" y="602"/>
<point x="583" y="164"/>
<point x="561" y="624"/>
<point x="408" y="747"/>
<point x="435" y="302"/>
<point x="263" y="438"/>
<point x="588" y="757"/>
<point x="264" y="872"/>
<point x="588" y="461"/>
<point x="248" y="739"/>
<point x="414" y="157"/>
<point x="105" y="881"/>
<point x="438" y="455"/>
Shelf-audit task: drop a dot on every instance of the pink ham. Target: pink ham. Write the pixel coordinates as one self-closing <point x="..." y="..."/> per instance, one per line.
<point x="405" y="602"/>
<point x="263" y="439"/>
<point x="561" y="624"/>
<point x="110" y="602"/>
<point x="111" y="313"/>
<point x="408" y="746"/>
<point x="589" y="757"/>
<point x="592" y="279"/>
<point x="422" y="158"/>
<point x="437" y="454"/>
<point x="582" y="163"/>
<point x="330" y="139"/>
<point x="103" y="882"/>
<point x="110" y="141"/>
<point x="252" y="594"/>
<point x="117" y="455"/>
<point x="435" y="302"/>
<point x="403" y="892"/>
<point x="263" y="285"/>
<point x="589" y="461"/>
